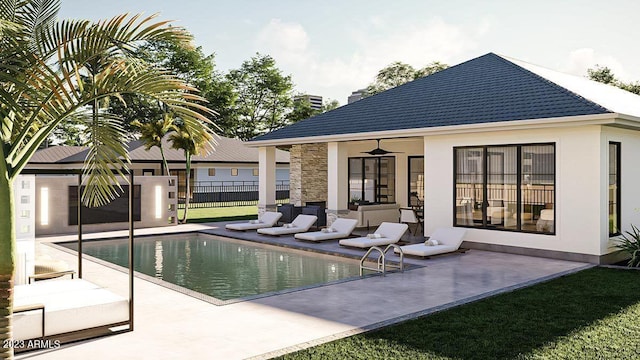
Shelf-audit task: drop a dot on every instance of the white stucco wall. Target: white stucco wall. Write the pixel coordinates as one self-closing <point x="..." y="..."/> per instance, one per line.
<point x="580" y="223"/>
<point x="630" y="178"/>
<point x="58" y="211"/>
<point x="24" y="216"/>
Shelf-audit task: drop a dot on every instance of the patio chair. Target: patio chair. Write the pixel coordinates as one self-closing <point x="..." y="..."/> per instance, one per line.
<point x="545" y="222"/>
<point x="317" y="209"/>
<point x="289" y="212"/>
<point x="267" y="220"/>
<point x="448" y="240"/>
<point x="410" y="216"/>
<point x="341" y="228"/>
<point x="387" y="233"/>
<point x="302" y="223"/>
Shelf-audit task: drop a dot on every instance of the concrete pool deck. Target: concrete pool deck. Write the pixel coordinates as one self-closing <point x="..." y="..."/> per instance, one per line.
<point x="170" y="325"/>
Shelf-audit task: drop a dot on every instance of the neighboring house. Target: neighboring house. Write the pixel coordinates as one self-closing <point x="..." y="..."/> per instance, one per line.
<point x="529" y="160"/>
<point x="229" y="167"/>
<point x="230" y="161"/>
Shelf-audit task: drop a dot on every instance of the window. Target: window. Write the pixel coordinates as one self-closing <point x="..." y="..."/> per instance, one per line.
<point x="25" y="213"/>
<point x="372" y="179"/>
<point x="510" y="187"/>
<point x="26" y="184"/>
<point x="24" y="199"/>
<point x="416" y="180"/>
<point x="234" y="172"/>
<point x="212" y="171"/>
<point x="256" y="172"/>
<point x="614" y="189"/>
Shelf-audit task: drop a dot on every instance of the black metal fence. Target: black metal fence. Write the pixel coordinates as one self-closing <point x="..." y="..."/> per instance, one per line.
<point x="211" y="194"/>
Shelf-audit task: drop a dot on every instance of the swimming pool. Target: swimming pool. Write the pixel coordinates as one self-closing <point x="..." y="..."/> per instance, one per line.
<point x="222" y="268"/>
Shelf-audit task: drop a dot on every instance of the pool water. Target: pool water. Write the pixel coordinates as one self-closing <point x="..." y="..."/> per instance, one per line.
<point x="222" y="268"/>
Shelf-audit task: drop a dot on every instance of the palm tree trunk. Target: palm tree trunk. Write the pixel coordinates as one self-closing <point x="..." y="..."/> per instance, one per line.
<point x="7" y="262"/>
<point x="164" y="161"/>
<point x="187" y="155"/>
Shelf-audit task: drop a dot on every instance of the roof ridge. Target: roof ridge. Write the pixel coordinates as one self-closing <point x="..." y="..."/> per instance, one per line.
<point x="551" y="83"/>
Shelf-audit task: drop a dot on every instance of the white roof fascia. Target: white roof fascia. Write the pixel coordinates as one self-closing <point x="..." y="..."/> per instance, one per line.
<point x="598" y="119"/>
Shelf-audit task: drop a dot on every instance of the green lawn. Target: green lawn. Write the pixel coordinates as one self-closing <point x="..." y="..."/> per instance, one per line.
<point x="593" y="314"/>
<point x="221" y="214"/>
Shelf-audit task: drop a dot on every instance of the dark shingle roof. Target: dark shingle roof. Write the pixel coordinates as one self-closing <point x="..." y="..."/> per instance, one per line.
<point x="482" y="90"/>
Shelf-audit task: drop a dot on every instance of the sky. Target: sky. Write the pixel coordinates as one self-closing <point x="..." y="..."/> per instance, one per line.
<point x="331" y="48"/>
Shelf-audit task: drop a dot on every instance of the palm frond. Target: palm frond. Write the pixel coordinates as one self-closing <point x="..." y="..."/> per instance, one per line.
<point x="80" y="63"/>
<point x="107" y="158"/>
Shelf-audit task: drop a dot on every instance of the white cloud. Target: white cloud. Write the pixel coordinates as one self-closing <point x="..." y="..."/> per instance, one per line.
<point x="334" y="75"/>
<point x="580" y="60"/>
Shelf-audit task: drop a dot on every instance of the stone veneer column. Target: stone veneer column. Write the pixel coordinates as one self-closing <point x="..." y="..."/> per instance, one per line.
<point x="308" y="173"/>
<point x="266" y="179"/>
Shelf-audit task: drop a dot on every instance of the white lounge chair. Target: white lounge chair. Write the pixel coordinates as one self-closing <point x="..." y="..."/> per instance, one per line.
<point x="387" y="233"/>
<point x="267" y="220"/>
<point x="341" y="228"/>
<point x="302" y="223"/>
<point x="449" y="240"/>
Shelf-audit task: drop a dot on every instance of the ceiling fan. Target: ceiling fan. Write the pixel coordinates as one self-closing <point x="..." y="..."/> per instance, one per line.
<point x="379" y="151"/>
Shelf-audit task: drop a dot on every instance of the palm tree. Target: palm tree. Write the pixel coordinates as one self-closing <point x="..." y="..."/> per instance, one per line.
<point x="53" y="70"/>
<point x="152" y="134"/>
<point x="191" y="143"/>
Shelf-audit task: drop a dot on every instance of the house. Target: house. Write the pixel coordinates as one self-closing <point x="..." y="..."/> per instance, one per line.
<point x="231" y="161"/>
<point x="529" y="160"/>
<point x="228" y="172"/>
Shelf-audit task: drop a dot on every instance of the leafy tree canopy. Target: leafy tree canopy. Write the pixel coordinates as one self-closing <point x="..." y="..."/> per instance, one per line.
<point x="604" y="75"/>
<point x="263" y="97"/>
<point x="399" y="73"/>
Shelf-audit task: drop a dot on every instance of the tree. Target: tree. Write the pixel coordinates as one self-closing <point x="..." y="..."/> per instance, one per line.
<point x="329" y="105"/>
<point x="302" y="109"/>
<point x="191" y="143"/>
<point x="263" y="97"/>
<point x="399" y="73"/>
<point x="152" y="133"/>
<point x="44" y="67"/>
<point x="604" y="75"/>
<point x="189" y="64"/>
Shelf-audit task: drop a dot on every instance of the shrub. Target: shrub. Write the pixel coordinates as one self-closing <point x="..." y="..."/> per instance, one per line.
<point x="630" y="243"/>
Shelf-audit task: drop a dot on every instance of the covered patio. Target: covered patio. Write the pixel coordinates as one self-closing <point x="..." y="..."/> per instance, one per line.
<point x="527" y="159"/>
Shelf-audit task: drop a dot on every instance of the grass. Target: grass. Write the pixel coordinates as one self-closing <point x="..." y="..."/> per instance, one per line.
<point x="593" y="314"/>
<point x="220" y="214"/>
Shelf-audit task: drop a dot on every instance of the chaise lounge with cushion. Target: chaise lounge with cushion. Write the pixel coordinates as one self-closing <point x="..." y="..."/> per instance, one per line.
<point x="302" y="223"/>
<point x="267" y="220"/>
<point x="443" y="240"/>
<point x="387" y="233"/>
<point x="341" y="228"/>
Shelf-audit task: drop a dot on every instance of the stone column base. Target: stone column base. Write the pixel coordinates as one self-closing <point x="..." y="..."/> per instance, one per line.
<point x="333" y="215"/>
<point x="262" y="208"/>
